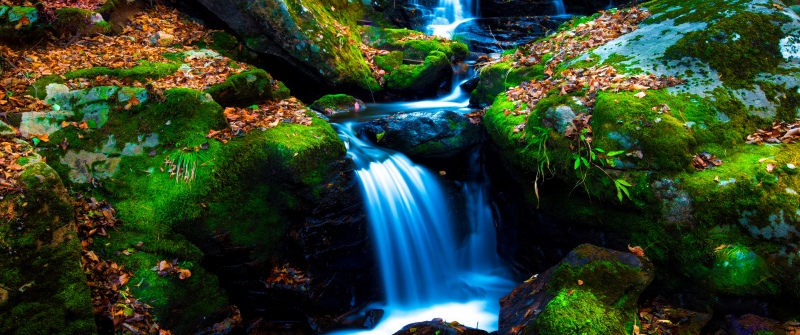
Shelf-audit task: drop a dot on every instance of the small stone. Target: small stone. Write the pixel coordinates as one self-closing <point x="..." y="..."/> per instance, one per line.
<point x="162" y="39"/>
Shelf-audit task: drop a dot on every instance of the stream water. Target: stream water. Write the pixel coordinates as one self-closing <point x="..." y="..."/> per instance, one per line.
<point x="432" y="264"/>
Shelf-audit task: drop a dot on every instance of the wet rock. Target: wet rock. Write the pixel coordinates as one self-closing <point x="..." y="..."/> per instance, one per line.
<point x="439" y="327"/>
<point x="588" y="7"/>
<point x="750" y="324"/>
<point x="373" y="318"/>
<point x="470" y="84"/>
<point x="594" y="284"/>
<point x="497" y="34"/>
<point x="507" y="8"/>
<point x="426" y="135"/>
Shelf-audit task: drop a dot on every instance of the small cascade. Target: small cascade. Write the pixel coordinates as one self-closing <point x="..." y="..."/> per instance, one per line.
<point x="480" y="246"/>
<point x="560" y="9"/>
<point x="412" y="234"/>
<point x="448" y="14"/>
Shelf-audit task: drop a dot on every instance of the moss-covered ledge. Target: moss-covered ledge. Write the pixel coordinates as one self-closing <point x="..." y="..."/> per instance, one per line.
<point x="42" y="286"/>
<point x="174" y="188"/>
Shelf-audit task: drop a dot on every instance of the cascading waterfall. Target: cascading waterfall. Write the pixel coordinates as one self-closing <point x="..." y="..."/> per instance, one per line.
<point x="479" y="252"/>
<point x="412" y="234"/>
<point x="560" y="9"/>
<point x="448" y="14"/>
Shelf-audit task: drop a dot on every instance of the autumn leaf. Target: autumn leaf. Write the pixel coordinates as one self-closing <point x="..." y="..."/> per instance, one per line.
<point x="637" y="250"/>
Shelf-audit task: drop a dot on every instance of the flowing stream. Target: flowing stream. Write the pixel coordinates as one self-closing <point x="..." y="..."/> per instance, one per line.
<point x="432" y="265"/>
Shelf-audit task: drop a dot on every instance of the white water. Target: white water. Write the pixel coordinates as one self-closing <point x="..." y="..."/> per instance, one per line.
<point x="449" y="14"/>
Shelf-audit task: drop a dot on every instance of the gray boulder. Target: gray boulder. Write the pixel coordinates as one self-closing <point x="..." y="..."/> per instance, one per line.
<point x="441" y="134"/>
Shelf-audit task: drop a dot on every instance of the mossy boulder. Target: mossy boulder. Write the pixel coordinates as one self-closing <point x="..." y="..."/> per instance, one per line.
<point x="178" y="192"/>
<point x="725" y="230"/>
<point x="319" y="39"/>
<point x="441" y="134"/>
<point x="439" y="327"/>
<point x="416" y="65"/>
<point x="337" y="103"/>
<point x="592" y="291"/>
<point x="247" y="88"/>
<point x="42" y="285"/>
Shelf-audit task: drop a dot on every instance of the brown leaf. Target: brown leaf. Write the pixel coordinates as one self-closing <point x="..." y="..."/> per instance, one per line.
<point x="637" y="250"/>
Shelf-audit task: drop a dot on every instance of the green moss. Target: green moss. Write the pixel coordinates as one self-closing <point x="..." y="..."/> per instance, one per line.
<point x="577" y="312"/>
<point x="47" y="288"/>
<point x="334" y="101"/>
<point x="738" y="47"/>
<point x="39" y="87"/>
<point x="247" y="88"/>
<point x="684" y="11"/>
<point x="410" y="78"/>
<point x="142" y="73"/>
<point x="390" y="62"/>
<point x="786" y="99"/>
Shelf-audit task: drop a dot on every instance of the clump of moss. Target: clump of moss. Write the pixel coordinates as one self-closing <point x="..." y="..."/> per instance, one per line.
<point x="144" y="72"/>
<point x="419" y="78"/>
<point x="39" y="87"/>
<point x="577" y="312"/>
<point x="335" y="102"/>
<point x="738" y="47"/>
<point x="247" y="88"/>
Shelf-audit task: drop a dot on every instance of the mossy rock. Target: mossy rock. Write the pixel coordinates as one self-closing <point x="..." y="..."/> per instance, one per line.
<point x="337" y="103"/>
<point x="263" y="181"/>
<point x="247" y="88"/>
<point x="420" y="79"/>
<point x="143" y="73"/>
<point x="649" y="192"/>
<point x="591" y="291"/>
<point x="44" y="289"/>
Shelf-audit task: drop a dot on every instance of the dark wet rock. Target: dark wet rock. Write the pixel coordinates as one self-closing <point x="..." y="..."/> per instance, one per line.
<point x="497" y="34"/>
<point x="588" y="7"/>
<point x="750" y="324"/>
<point x="426" y="135"/>
<point x="595" y="285"/>
<point x="470" y="84"/>
<point x="373" y="318"/>
<point x="506" y="8"/>
<point x="439" y="327"/>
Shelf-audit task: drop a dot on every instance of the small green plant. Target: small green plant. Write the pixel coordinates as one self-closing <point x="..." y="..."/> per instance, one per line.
<point x="587" y="157"/>
<point x="182" y="165"/>
<point x="539" y="141"/>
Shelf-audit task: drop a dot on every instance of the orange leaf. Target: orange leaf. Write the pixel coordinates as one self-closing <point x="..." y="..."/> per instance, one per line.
<point x="637" y="250"/>
<point x="184" y="273"/>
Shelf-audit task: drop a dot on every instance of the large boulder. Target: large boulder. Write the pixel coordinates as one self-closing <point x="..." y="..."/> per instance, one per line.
<point x="591" y="291"/>
<point x="725" y="225"/>
<point x="441" y="134"/>
<point x="299" y="240"/>
<point x="317" y="39"/>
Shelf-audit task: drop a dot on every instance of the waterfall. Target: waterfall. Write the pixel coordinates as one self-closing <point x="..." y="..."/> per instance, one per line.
<point x="412" y="234"/>
<point x="560" y="9"/>
<point x="426" y="270"/>
<point x="480" y="247"/>
<point x="448" y="14"/>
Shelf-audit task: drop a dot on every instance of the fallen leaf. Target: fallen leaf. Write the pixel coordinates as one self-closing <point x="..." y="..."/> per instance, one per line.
<point x="640" y="95"/>
<point x="637" y="250"/>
